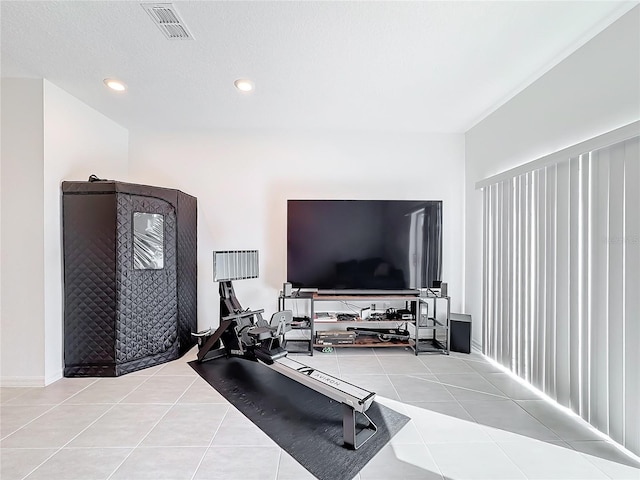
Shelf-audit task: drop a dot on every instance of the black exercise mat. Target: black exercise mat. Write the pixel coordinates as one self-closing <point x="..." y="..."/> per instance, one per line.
<point x="300" y="420"/>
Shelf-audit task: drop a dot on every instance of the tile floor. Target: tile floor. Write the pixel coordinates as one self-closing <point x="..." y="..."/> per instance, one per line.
<point x="469" y="421"/>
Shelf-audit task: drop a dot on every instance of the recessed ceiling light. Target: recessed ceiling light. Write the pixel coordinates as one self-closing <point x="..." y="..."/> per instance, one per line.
<point x="243" y="85"/>
<point x="114" y="84"/>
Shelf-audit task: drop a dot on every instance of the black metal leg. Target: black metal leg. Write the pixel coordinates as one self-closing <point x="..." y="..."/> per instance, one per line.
<point x="352" y="438"/>
<point x="211" y="342"/>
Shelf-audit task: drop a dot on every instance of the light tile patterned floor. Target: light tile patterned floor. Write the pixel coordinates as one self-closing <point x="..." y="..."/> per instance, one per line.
<point x="470" y="421"/>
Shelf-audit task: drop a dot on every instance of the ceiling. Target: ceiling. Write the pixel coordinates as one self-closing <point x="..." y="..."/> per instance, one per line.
<point x="362" y="65"/>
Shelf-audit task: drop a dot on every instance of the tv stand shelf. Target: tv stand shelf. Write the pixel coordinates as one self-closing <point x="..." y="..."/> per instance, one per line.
<point x="428" y="328"/>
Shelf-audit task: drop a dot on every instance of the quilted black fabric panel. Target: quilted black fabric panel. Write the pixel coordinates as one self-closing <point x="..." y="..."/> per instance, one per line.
<point x="89" y="228"/>
<point x="147" y="300"/>
<point x="145" y="362"/>
<point x="118" y="319"/>
<point x="187" y="270"/>
<point x="90" y="188"/>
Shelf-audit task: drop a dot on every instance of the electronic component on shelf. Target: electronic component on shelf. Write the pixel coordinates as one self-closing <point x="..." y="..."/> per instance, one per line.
<point x="402" y="314"/>
<point x="406" y="315"/>
<point x="371" y="314"/>
<point x="383" y="334"/>
<point x="335" y="341"/>
<point x="335" y="337"/>
<point x="298" y="322"/>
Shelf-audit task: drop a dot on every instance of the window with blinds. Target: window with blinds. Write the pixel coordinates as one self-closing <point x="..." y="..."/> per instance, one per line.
<point x="561" y="285"/>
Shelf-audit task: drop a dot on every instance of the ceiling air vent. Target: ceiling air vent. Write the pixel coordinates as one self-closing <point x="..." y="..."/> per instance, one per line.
<point x="165" y="16"/>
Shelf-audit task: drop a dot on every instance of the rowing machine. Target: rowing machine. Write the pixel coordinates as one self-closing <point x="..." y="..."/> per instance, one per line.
<point x="245" y="334"/>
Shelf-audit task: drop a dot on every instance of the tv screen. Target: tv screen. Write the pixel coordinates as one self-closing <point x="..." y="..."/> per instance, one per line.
<point x="364" y="244"/>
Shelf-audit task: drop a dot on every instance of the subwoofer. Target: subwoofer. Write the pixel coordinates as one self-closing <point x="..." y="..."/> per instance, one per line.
<point x="460" y="334"/>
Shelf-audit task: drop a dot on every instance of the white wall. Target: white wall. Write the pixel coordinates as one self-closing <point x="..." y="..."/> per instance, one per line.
<point x="78" y="142"/>
<point x="243" y="179"/>
<point x="22" y="293"/>
<point x="48" y="136"/>
<point x="595" y="90"/>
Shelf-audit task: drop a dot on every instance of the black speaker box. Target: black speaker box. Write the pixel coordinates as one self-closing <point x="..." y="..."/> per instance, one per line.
<point x="460" y="335"/>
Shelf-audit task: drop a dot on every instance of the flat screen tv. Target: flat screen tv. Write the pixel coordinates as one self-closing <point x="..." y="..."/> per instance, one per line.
<point x="364" y="245"/>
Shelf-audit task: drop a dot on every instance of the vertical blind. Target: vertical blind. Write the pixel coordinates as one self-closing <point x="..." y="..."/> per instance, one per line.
<point x="561" y="286"/>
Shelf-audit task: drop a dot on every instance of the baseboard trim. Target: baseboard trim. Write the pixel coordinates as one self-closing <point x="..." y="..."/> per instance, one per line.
<point x="22" y="382"/>
<point x="53" y="377"/>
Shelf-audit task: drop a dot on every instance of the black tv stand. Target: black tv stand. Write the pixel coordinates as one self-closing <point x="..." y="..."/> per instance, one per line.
<point x="429" y="330"/>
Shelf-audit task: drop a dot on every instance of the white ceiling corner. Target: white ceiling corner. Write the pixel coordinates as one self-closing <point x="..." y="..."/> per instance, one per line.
<point x="426" y="66"/>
